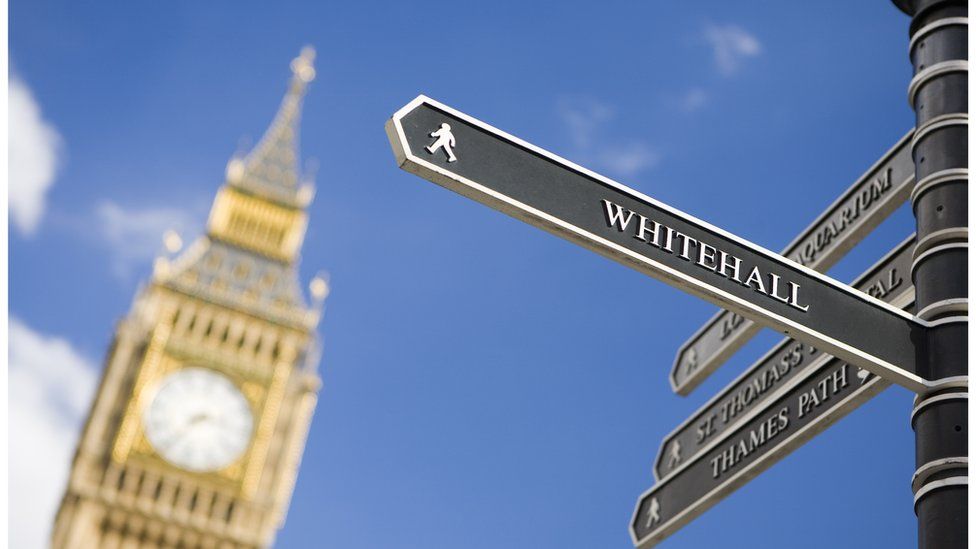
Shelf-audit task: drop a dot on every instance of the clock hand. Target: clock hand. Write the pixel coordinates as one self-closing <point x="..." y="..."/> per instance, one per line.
<point x="181" y="430"/>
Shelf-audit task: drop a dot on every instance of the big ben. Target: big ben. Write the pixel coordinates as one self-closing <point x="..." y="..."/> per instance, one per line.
<point x="195" y="436"/>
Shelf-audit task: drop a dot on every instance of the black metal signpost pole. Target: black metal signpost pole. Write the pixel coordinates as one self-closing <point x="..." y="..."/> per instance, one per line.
<point x="938" y="94"/>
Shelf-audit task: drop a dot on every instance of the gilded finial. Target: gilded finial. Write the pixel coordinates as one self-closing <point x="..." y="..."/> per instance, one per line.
<point x="302" y="66"/>
<point x="319" y="287"/>
<point x="235" y="170"/>
<point x="172" y="241"/>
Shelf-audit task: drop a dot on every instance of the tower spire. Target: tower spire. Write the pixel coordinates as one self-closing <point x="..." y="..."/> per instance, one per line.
<point x="271" y="169"/>
<point x="261" y="208"/>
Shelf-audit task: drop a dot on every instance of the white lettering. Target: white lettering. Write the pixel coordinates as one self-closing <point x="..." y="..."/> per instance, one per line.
<point x="615" y="215"/>
<point x="706" y="255"/>
<point x="755" y="277"/>
<point x="728" y="266"/>
<point x="642" y="228"/>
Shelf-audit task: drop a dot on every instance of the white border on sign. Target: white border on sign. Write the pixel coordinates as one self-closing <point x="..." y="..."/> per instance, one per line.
<point x="902" y="300"/>
<point x="471" y="189"/>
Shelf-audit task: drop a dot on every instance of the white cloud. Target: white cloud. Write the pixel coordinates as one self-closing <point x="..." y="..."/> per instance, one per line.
<point x="34" y="150"/>
<point x="629" y="160"/>
<point x="50" y="389"/>
<point x="693" y="99"/>
<point x="583" y="118"/>
<point x="134" y="236"/>
<point x="731" y="44"/>
<point x="587" y="122"/>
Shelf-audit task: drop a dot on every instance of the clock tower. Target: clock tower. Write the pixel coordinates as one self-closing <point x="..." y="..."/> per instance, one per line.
<point x="196" y="433"/>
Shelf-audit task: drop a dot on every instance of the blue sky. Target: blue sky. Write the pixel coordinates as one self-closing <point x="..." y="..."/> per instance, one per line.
<point x="485" y="384"/>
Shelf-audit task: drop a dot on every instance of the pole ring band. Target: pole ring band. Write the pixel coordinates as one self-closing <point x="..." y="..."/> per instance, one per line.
<point x="917" y="260"/>
<point x="920" y="33"/>
<point x="941" y="384"/>
<point x="940" y="177"/>
<point x="954" y="305"/>
<point x="948" y="320"/>
<point x="938" y="122"/>
<point x="935" y="466"/>
<point x="926" y="401"/>
<point x="937" y="484"/>
<point x="942" y="236"/>
<point x="928" y="73"/>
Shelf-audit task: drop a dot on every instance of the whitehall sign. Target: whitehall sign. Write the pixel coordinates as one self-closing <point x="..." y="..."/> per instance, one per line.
<point x="861" y="208"/>
<point x="889" y="280"/>
<point x="533" y="185"/>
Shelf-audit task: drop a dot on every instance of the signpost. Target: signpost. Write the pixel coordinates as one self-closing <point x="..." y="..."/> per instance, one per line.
<point x="822" y="394"/>
<point x="844" y="345"/>
<point x="871" y="199"/>
<point x="476" y="160"/>
<point x="938" y="93"/>
<point x="889" y="279"/>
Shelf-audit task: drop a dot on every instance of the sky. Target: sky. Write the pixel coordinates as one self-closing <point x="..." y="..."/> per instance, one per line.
<point x="484" y="384"/>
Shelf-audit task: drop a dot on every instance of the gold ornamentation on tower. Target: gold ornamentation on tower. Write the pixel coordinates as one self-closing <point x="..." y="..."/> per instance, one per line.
<point x="196" y="434"/>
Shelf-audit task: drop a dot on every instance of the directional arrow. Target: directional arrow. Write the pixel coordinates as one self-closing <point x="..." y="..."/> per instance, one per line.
<point x="476" y="160"/>
<point x="889" y="279"/>
<point x="871" y="199"/>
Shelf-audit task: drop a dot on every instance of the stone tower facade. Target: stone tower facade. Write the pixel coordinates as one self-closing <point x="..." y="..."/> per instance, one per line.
<point x="196" y="433"/>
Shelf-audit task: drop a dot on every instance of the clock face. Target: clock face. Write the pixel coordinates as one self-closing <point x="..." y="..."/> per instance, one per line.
<point x="198" y="420"/>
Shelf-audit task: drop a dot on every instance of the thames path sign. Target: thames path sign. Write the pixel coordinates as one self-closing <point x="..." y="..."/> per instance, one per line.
<point x="871" y="199"/>
<point x="889" y="280"/>
<point x="476" y="160"/>
<point x="825" y="392"/>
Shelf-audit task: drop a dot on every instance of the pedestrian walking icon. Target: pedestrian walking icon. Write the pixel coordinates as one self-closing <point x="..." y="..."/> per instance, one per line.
<point x="675" y="458"/>
<point x="653" y="513"/>
<point x="445" y="140"/>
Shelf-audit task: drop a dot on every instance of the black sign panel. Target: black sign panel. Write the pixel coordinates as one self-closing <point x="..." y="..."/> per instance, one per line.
<point x="857" y="211"/>
<point x="888" y="280"/>
<point x="476" y="160"/>
<point x="822" y="394"/>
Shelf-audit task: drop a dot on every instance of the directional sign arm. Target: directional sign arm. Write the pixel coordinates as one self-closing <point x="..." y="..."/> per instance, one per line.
<point x="825" y="393"/>
<point x="861" y="208"/>
<point x="889" y="279"/>
<point x="538" y="187"/>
